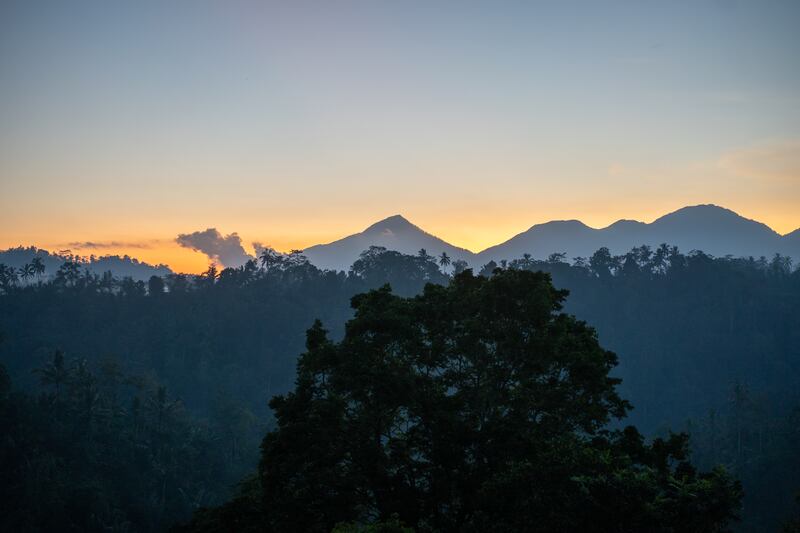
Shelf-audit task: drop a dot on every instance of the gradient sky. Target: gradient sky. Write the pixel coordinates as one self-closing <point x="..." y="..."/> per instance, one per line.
<point x="294" y="123"/>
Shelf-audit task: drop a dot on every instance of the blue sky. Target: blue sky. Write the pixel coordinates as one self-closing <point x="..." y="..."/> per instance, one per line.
<point x="298" y="122"/>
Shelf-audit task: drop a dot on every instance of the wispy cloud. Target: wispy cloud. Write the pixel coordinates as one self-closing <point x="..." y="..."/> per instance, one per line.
<point x="226" y="250"/>
<point x="101" y="245"/>
<point x="775" y="161"/>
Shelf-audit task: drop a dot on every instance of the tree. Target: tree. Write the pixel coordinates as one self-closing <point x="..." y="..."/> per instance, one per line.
<point x="107" y="282"/>
<point x="407" y="274"/>
<point x="488" y="269"/>
<point x="68" y="273"/>
<point x="602" y="263"/>
<point x="26" y="271"/>
<point x="270" y="258"/>
<point x="38" y="267"/>
<point x="8" y="277"/>
<point x="177" y="283"/>
<point x="473" y="407"/>
<point x="131" y="288"/>
<point x="55" y="373"/>
<point x="557" y="258"/>
<point x="155" y="286"/>
<point x="444" y="260"/>
<point x="658" y="264"/>
<point x="459" y="266"/>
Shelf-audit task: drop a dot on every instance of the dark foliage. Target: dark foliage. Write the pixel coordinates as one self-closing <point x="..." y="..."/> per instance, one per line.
<point x="688" y="329"/>
<point x="97" y="450"/>
<point x="472" y="407"/>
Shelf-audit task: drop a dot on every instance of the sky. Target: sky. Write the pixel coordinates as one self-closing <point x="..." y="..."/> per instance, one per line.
<point x="126" y="124"/>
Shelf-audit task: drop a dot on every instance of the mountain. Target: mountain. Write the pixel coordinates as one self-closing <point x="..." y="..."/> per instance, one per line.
<point x="715" y="230"/>
<point x="710" y="228"/>
<point x="120" y="266"/>
<point x="394" y="233"/>
<point x="570" y="236"/>
<point x="791" y="244"/>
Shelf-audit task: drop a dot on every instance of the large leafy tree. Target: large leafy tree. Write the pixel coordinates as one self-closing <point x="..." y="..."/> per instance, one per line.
<point x="478" y="406"/>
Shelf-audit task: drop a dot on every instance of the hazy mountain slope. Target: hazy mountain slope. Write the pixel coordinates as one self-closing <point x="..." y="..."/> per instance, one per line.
<point x="124" y="266"/>
<point x="712" y="229"/>
<point x="790" y="244"/>
<point x="394" y="233"/>
<point x="16" y="257"/>
<point x="544" y="239"/>
<point x="120" y="266"/>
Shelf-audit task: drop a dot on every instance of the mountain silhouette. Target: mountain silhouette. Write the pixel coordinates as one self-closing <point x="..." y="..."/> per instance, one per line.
<point x="119" y="266"/>
<point x="791" y="244"/>
<point x="394" y="233"/>
<point x="712" y="229"/>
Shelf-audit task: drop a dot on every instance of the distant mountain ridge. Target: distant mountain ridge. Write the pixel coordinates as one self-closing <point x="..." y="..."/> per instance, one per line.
<point x="119" y="266"/>
<point x="394" y="233"/>
<point x="714" y="230"/>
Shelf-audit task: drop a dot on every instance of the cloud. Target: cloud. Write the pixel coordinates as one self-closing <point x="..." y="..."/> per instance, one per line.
<point x="108" y="244"/>
<point x="776" y="161"/>
<point x="225" y="250"/>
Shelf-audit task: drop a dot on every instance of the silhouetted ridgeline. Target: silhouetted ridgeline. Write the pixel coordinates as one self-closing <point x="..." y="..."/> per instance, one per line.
<point x="121" y="266"/>
<point x="713" y="229"/>
<point x="707" y="344"/>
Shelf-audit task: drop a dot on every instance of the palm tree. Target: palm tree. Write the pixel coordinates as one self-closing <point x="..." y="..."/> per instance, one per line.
<point x="8" y="277"/>
<point x="444" y="260"/>
<point x="270" y="258"/>
<point x="26" y="271"/>
<point x="526" y="258"/>
<point x="38" y="267"/>
<point x="660" y="259"/>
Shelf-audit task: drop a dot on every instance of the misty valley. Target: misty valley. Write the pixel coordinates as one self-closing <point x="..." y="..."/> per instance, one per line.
<point x="407" y="393"/>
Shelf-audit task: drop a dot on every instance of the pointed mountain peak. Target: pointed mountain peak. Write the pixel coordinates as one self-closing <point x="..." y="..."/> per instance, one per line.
<point x="394" y="223"/>
<point x="393" y="233"/>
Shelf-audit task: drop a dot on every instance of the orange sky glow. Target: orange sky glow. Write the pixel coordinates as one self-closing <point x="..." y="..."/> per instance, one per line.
<point x="472" y="231"/>
<point x="127" y="124"/>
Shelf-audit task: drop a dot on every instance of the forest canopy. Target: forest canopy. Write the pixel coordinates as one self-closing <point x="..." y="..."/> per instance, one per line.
<point x="478" y="406"/>
<point x="708" y="346"/>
